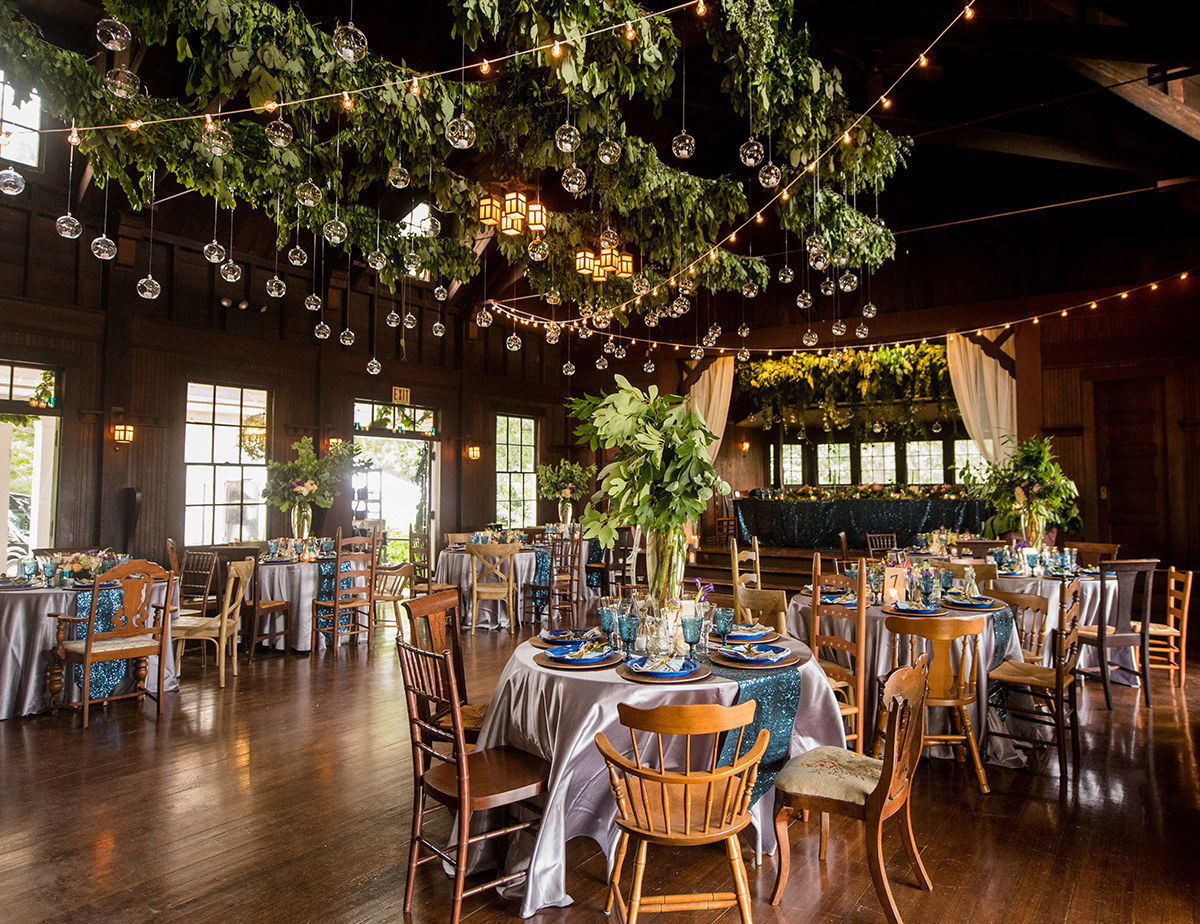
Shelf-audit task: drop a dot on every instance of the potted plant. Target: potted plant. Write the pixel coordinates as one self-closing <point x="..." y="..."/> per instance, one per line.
<point x="1028" y="490"/>
<point x="563" y="483"/>
<point x="660" y="479"/>
<point x="308" y="480"/>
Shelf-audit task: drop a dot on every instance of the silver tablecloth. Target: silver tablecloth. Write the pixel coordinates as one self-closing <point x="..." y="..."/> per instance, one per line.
<point x="454" y="567"/>
<point x="27" y="637"/>
<point x="556" y="715"/>
<point x="295" y="582"/>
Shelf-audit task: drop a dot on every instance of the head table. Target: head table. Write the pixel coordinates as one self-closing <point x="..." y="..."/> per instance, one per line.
<point x="556" y="715"/>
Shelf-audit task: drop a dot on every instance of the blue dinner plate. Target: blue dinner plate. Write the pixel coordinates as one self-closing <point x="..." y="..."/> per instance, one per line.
<point x="562" y="651"/>
<point x="564" y="636"/>
<point x="836" y="600"/>
<point x="1010" y="574"/>
<point x="746" y="634"/>
<point x="737" y="656"/>
<point x="689" y="665"/>
<point x="905" y="607"/>
<point x="980" y="603"/>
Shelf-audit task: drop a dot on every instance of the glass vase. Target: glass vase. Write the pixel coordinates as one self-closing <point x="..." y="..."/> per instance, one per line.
<point x="666" y="556"/>
<point x="301" y="520"/>
<point x="565" y="512"/>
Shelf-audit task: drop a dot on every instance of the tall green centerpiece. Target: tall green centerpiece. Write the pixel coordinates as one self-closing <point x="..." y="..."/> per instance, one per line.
<point x="564" y="483"/>
<point x="661" y="477"/>
<point x="308" y="481"/>
<point x="1028" y="490"/>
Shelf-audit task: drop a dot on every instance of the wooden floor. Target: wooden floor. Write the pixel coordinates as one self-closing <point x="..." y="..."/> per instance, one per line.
<point x="286" y="798"/>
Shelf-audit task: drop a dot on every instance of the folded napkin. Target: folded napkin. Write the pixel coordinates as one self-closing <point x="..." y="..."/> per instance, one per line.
<point x="845" y="598"/>
<point x="658" y="665"/>
<point x="963" y="598"/>
<point x="570" y="635"/>
<point x="745" y="628"/>
<point x="755" y="653"/>
<point x="588" y="651"/>
<point x="914" y="607"/>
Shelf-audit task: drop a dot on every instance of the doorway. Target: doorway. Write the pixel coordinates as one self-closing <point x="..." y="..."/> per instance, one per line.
<point x="29" y="430"/>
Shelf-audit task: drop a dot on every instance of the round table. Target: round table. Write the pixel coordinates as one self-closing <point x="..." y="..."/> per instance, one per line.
<point x="297" y="582"/>
<point x="556" y="715"/>
<point x="454" y="567"/>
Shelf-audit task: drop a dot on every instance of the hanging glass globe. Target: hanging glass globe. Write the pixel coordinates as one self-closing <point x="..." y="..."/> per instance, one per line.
<point x="601" y="362"/>
<point x="848" y="281"/>
<point x="804" y="300"/>
<point x="375" y="259"/>
<point x="619" y="353"/>
<point x="538" y="249"/>
<point x="410" y="320"/>
<point x="567" y="138"/>
<point x="460" y="132"/>
<point x="856" y="236"/>
<point x="786" y="274"/>
<point x="322" y="331"/>
<point x="574" y="180"/>
<point x="68" y="226"/>
<point x="104" y="248"/>
<point x="214" y="252"/>
<point x="827" y="287"/>
<point x="751" y="152"/>
<point x="769" y="175"/>
<point x="412" y="261"/>
<point x="297" y="256"/>
<point x="937" y="426"/>
<point x="148" y="287"/>
<point x="685" y="288"/>
<point x="878" y="224"/>
<point x="877" y="427"/>
<point x="714" y="331"/>
<point x="113" y="34"/>
<point x="610" y="238"/>
<point x="439" y="329"/>
<point x="680" y="306"/>
<point x="869" y="310"/>
<point x="440" y="293"/>
<point x="392" y="319"/>
<point x="809" y="338"/>
<point x="697" y="352"/>
<point x="815" y="243"/>
<point x="641" y="285"/>
<point x="434" y="227"/>
<point x="819" y="260"/>
<point x="861" y="331"/>
<point x="513" y="342"/>
<point x="374" y="366"/>
<point x="608" y="151"/>
<point x="683" y="145"/>
<point x="216" y="139"/>
<point x="602" y="319"/>
<point x="609" y="346"/>
<point x="553" y="297"/>
<point x="230" y="271"/>
<point x="838" y="327"/>
<point x="568" y="368"/>
<point x="308" y="193"/>
<point x="648" y="365"/>
<point x="483" y="318"/>
<point x="11" y="182"/>
<point x="743" y="330"/>
<point x="349" y="43"/>
<point x="276" y="287"/>
<point x="312" y="302"/>
<point x="397" y="176"/>
<point x="750" y="290"/>
<point x="743" y="355"/>
<point x="552" y="333"/>
<point x="122" y="82"/>
<point x="841" y="258"/>
<point x="652" y="318"/>
<point x="585" y="333"/>
<point x="279" y="133"/>
<point x="334" y="230"/>
<point x="346" y="337"/>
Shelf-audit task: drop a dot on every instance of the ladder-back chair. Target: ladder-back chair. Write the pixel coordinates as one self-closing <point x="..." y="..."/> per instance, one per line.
<point x="433" y="626"/>
<point x="1121" y="634"/>
<point x="1168" y="640"/>
<point x="349" y="610"/>
<point x="848" y="637"/>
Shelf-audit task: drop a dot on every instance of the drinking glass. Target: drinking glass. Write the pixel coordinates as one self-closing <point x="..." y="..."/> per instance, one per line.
<point x="946" y="579"/>
<point x="608" y="616"/>
<point x="926" y="588"/>
<point x="875" y="582"/>
<point x="273" y="548"/>
<point x="852" y="573"/>
<point x="691" y="632"/>
<point x="723" y="623"/>
<point x="28" y="568"/>
<point x="1031" y="556"/>
<point x="50" y="572"/>
<point x="628" y="625"/>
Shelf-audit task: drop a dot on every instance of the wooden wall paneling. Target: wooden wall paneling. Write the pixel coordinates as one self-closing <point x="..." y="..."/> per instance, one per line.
<point x="1030" y="404"/>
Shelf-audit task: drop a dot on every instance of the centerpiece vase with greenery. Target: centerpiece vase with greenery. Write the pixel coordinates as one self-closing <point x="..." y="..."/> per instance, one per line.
<point x="308" y="480"/>
<point x="1029" y="492"/>
<point x="660" y="479"/>
<point x="563" y="483"/>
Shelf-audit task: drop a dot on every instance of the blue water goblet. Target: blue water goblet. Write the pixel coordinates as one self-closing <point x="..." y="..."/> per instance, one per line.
<point x="627" y="622"/>
<point x="273" y="547"/>
<point x="947" y="579"/>
<point x="607" y="609"/>
<point x="926" y="588"/>
<point x="28" y="568"/>
<point x="723" y="623"/>
<point x="875" y="582"/>
<point x="691" y="632"/>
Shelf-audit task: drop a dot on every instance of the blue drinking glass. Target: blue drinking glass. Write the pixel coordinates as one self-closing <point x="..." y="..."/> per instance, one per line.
<point x="608" y="617"/>
<point x="926" y="588"/>
<point x="273" y="547"/>
<point x="28" y="568"/>
<point x="947" y="580"/>
<point x="723" y="623"/>
<point x="875" y="582"/>
<point x="628" y="624"/>
<point x="691" y="632"/>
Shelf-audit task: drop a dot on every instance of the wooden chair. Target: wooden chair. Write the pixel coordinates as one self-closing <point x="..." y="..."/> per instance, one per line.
<point x="985" y="572"/>
<point x="136" y="632"/>
<point x="625" y="575"/>
<point x="768" y="607"/>
<point x="350" y="609"/>
<point x="848" y="681"/>
<point x="457" y="538"/>
<point x="420" y="556"/>
<point x="567" y="554"/>
<point x="1053" y="688"/>
<point x="1029" y="615"/>
<point x="745" y="567"/>
<point x="221" y="629"/>
<point x="947" y="689"/>
<point x="1168" y="640"/>
<point x="862" y="787"/>
<point x="978" y="548"/>
<point x="393" y="584"/>
<point x="1090" y="554"/>
<point x="681" y="806"/>
<point x="173" y="557"/>
<point x="726" y="521"/>
<point x="260" y="616"/>
<point x="493" y="580"/>
<point x="196" y="592"/>
<point x="463" y="781"/>
<point x="433" y="626"/>
<point x="1121" y="633"/>
<point x="878" y="543"/>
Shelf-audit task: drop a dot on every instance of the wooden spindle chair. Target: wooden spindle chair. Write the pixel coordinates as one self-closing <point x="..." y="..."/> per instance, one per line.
<point x="850" y="639"/>
<point x="1029" y="616"/>
<point x="1121" y="634"/>
<point x="1168" y="640"/>
<point x="433" y="622"/>
<point x="394" y="584"/>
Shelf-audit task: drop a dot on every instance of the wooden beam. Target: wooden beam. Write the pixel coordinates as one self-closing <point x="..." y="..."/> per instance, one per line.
<point x="1163" y="107"/>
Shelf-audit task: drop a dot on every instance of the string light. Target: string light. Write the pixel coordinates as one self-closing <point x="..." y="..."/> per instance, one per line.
<point x="73" y="138"/>
<point x="922" y="61"/>
<point x="758" y="219"/>
<point x="415" y="87"/>
<point x="270" y="105"/>
<point x="133" y="124"/>
<point x="629" y="31"/>
<point x="556" y="50"/>
<point x="209" y="124"/>
<point x="885" y="102"/>
<point x="701" y="9"/>
<point x="484" y="67"/>
<point x="969" y="13"/>
<point x="347" y="102"/>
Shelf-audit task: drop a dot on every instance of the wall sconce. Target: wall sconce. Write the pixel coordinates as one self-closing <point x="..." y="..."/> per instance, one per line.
<point x="334" y="442"/>
<point x="122" y="434"/>
<point x="473" y="452"/>
<point x="744" y="446"/>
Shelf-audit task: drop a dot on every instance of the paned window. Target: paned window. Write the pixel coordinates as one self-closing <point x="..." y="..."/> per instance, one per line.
<point x="878" y="463"/>
<point x="516" y="481"/>
<point x="833" y="463"/>
<point x="965" y="451"/>
<point x="925" y="463"/>
<point x="20" y="127"/>
<point x="793" y="464"/>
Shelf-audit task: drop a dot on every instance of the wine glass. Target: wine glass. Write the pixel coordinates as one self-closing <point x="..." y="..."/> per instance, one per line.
<point x="627" y="623"/>
<point x="875" y="582"/>
<point x="608" y="616"/>
<point x="723" y="623"/>
<point x="691" y="632"/>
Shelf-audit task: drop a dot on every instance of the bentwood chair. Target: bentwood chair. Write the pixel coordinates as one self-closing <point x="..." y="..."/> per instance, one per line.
<point x="221" y="629"/>
<point x="835" y="780"/>
<point x="196" y="592"/>
<point x="1168" y="640"/>
<point x="847" y="638"/>
<point x="135" y="631"/>
<point x="492" y="578"/>
<point x="433" y="626"/>
<point x="681" y="805"/>
<point x="463" y="781"/>
<point x="1090" y="554"/>
<point x="420" y="556"/>
<point x="1121" y="634"/>
<point x="393" y="584"/>
<point x="349" y="609"/>
<point x="1053" y="689"/>
<point x="1029" y="616"/>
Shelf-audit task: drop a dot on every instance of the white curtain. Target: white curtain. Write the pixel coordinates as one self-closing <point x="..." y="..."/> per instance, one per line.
<point x="710" y="396"/>
<point x="986" y="390"/>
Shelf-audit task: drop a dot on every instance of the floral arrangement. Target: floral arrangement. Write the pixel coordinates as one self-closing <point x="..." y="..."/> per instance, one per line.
<point x="807" y="492"/>
<point x="702" y="591"/>
<point x="308" y="479"/>
<point x="939" y="540"/>
<point x="505" y="536"/>
<point x="1028" y="486"/>
<point x="565" y="481"/>
<point x="82" y="563"/>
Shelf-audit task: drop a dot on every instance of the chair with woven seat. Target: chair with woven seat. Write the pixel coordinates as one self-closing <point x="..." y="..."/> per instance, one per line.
<point x="221" y="629"/>
<point x="985" y="572"/>
<point x="393" y="584"/>
<point x="1090" y="554"/>
<point x="349" y="609"/>
<point x="1029" y="616"/>
<point x="136" y="631"/>
<point x="493" y="578"/>
<point x="682" y="806"/>
<point x="767" y="607"/>
<point x="458" y="538"/>
<point x="1121" y="634"/>
<point x="196" y="592"/>
<point x="1168" y="640"/>
<point x="433" y="626"/>
<point x="847" y="679"/>
<point x="260" y="617"/>
<point x="420" y="556"/>
<point x="1053" y="689"/>
<point x="879" y="543"/>
<point x="949" y="689"/>
<point x="463" y="781"/>
<point x="833" y="780"/>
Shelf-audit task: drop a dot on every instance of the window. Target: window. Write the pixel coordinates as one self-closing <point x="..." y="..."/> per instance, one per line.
<point x="925" y="462"/>
<point x="878" y="463"/>
<point x="20" y="124"/>
<point x="965" y="451"/>
<point x="833" y="463"/>
<point x="225" y="464"/>
<point x="793" y="464"/>
<point x="516" y="483"/>
<point x="400" y="419"/>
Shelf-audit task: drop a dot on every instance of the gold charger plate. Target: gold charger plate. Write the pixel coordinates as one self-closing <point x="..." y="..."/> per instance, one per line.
<point x="700" y="673"/>
<point x="538" y="642"/>
<point x="717" y="658"/>
<point x="544" y="660"/>
<point x="892" y="611"/>
<point x="771" y="636"/>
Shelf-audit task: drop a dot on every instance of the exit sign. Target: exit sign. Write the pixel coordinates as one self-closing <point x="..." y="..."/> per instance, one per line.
<point x="401" y="395"/>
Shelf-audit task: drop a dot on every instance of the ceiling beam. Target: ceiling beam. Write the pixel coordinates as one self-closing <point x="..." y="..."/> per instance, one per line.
<point x="1163" y="107"/>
